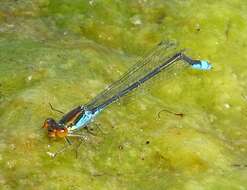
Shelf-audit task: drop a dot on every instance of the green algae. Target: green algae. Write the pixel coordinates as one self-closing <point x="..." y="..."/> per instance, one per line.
<point x="65" y="52"/>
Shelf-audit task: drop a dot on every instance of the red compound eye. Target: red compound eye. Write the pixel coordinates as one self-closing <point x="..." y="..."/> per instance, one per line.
<point x="45" y="125"/>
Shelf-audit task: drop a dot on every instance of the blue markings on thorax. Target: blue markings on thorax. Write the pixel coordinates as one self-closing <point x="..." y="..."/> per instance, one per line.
<point x="87" y="117"/>
<point x="202" y="65"/>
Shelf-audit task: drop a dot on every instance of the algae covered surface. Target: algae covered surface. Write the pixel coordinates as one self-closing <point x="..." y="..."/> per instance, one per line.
<point x="65" y="52"/>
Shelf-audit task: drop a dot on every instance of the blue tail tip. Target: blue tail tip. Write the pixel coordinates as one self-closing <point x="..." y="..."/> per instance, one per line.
<point x="202" y="65"/>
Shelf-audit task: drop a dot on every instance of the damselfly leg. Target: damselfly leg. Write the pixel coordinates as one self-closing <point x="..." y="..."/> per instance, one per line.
<point x="54" y="109"/>
<point x="68" y="143"/>
<point x="64" y="148"/>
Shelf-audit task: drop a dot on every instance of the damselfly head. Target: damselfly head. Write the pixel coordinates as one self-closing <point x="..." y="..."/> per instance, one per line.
<point x="54" y="129"/>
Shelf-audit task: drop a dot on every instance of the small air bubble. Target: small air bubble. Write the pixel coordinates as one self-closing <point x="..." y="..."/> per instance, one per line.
<point x="29" y="77"/>
<point x="136" y="20"/>
<point x="50" y="154"/>
<point x="227" y="106"/>
<point x="12" y="147"/>
<point x="91" y="2"/>
<point x="197" y="27"/>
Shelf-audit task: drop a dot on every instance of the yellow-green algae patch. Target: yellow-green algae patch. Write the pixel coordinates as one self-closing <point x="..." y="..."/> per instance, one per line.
<point x="65" y="52"/>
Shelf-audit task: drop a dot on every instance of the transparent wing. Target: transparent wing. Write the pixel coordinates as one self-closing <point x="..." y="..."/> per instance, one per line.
<point x="152" y="60"/>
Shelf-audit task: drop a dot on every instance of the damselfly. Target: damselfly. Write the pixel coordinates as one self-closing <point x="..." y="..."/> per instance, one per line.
<point x="165" y="57"/>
